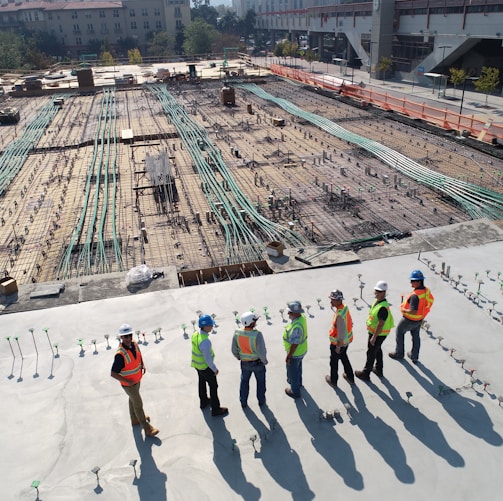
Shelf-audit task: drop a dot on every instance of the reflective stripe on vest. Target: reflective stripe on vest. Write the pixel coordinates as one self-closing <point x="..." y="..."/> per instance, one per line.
<point x="132" y="366"/>
<point x="302" y="346"/>
<point x="247" y="344"/>
<point x="372" y="319"/>
<point x="346" y="316"/>
<point x="425" y="302"/>
<point x="197" y="356"/>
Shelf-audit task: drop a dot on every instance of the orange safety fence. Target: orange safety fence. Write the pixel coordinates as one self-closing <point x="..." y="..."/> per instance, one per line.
<point x="481" y="128"/>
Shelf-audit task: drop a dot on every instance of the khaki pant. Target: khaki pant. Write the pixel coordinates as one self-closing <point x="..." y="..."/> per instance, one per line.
<point x="136" y="405"/>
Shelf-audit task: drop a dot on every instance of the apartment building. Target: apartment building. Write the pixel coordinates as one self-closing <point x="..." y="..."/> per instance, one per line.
<point x="76" y="23"/>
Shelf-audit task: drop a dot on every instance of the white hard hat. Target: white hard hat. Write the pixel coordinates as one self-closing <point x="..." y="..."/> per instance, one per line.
<point x="125" y="329"/>
<point x="381" y="286"/>
<point x="248" y="318"/>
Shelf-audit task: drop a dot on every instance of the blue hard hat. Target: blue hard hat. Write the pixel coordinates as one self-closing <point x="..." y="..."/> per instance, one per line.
<point x="205" y="320"/>
<point x="416" y="275"/>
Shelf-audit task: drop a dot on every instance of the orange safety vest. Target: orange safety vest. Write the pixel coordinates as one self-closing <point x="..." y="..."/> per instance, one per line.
<point x="247" y="344"/>
<point x="425" y="302"/>
<point x="346" y="316"/>
<point x="132" y="368"/>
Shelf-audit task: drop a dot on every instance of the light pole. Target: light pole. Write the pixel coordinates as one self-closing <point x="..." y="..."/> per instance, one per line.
<point x="443" y="58"/>
<point x="463" y="93"/>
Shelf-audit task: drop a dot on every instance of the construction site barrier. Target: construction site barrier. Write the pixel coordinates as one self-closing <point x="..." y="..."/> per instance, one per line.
<point x="483" y="129"/>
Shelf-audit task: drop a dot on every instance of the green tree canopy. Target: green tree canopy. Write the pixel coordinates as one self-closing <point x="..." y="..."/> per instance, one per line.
<point x="488" y="80"/>
<point x="106" y="59"/>
<point x="230" y="23"/>
<point x="205" y="12"/>
<point x="199" y="37"/>
<point x="134" y="56"/>
<point x="384" y="65"/>
<point x="161" y="44"/>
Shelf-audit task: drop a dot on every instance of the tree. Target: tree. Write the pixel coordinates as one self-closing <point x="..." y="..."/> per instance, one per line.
<point x="10" y="50"/>
<point x="488" y="80"/>
<point x="134" y="56"/>
<point x="310" y="57"/>
<point x="205" y="12"/>
<point x="199" y="37"/>
<point x="458" y="76"/>
<point x="106" y="59"/>
<point x="229" y="23"/>
<point x="126" y="44"/>
<point x="249" y="23"/>
<point x="383" y="66"/>
<point x="161" y="44"/>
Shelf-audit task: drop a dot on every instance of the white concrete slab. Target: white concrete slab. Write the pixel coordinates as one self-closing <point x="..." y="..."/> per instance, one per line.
<point x="63" y="416"/>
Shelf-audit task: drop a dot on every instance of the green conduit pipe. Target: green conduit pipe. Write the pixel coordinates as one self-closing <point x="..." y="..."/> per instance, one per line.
<point x="244" y="242"/>
<point x="477" y="201"/>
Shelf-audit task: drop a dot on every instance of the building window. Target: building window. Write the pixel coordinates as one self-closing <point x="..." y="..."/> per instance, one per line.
<point x="116" y="13"/>
<point x="75" y="14"/>
<point x="102" y="14"/>
<point x="133" y="25"/>
<point x="76" y="28"/>
<point x="104" y="28"/>
<point x="157" y="12"/>
<point x="78" y="41"/>
<point x="117" y="27"/>
<point x="146" y="25"/>
<point x="49" y="16"/>
<point x="132" y="13"/>
<point x="36" y="16"/>
<point x="158" y="25"/>
<point x="90" y="28"/>
<point x="178" y="12"/>
<point x="144" y="12"/>
<point x="178" y="24"/>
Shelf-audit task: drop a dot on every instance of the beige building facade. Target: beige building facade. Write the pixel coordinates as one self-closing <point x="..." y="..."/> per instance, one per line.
<point x="75" y="24"/>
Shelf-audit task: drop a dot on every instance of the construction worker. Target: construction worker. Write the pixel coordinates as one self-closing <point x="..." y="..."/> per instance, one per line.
<point x="248" y="346"/>
<point x="295" y="342"/>
<point x="128" y="368"/>
<point x="414" y="309"/>
<point x="379" y="323"/>
<point x="340" y="335"/>
<point x="202" y="360"/>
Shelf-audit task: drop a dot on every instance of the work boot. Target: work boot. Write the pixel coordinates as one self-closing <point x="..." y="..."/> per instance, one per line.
<point x="329" y="381"/>
<point x="150" y="431"/>
<point x="135" y="422"/>
<point x="362" y="375"/>
<point x="223" y="411"/>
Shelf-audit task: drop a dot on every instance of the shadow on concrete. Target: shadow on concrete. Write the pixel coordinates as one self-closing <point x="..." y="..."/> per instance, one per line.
<point x="151" y="482"/>
<point x="382" y="437"/>
<point x="467" y="412"/>
<point x="328" y="443"/>
<point x="417" y="424"/>
<point x="227" y="459"/>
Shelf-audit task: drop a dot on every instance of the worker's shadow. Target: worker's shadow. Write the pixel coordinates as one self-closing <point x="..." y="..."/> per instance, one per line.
<point x="278" y="458"/>
<point x="467" y="412"/>
<point x="151" y="482"/>
<point x="328" y="443"/>
<point x="382" y="437"/>
<point x="227" y="459"/>
<point x="428" y="432"/>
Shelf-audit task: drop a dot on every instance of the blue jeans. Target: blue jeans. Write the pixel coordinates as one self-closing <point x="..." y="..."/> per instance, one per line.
<point x="294" y="375"/>
<point x="405" y="325"/>
<point x="247" y="369"/>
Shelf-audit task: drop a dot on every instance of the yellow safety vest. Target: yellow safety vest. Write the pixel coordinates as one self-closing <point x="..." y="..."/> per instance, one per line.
<point x="197" y="356"/>
<point x="372" y="319"/>
<point x="302" y="346"/>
